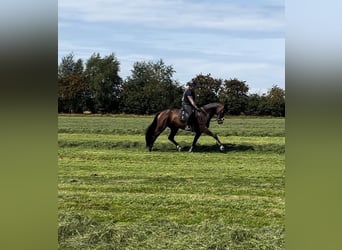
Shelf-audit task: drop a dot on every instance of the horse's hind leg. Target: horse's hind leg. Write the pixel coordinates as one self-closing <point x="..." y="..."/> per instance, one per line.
<point x="172" y="137"/>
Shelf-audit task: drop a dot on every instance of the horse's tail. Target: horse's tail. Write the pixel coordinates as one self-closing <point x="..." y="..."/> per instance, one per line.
<point x="150" y="131"/>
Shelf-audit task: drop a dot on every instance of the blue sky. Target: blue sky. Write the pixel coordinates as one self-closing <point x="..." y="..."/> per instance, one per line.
<point x="226" y="38"/>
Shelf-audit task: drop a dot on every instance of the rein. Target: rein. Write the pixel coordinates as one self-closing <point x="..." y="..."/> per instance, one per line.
<point x="204" y="111"/>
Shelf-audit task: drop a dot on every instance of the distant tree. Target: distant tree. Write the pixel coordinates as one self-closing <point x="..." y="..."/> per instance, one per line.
<point x="207" y="89"/>
<point x="105" y="84"/>
<point x="150" y="88"/>
<point x="276" y="101"/>
<point x="72" y="86"/>
<point x="234" y="96"/>
<point x="253" y="105"/>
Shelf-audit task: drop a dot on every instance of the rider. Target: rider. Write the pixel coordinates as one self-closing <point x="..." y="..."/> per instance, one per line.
<point x="188" y="103"/>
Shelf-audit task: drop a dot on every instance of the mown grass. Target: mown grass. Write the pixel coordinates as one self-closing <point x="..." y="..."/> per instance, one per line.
<point x="113" y="194"/>
<point x="120" y="125"/>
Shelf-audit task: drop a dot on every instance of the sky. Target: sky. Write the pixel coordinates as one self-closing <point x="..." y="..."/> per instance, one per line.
<point x="228" y="39"/>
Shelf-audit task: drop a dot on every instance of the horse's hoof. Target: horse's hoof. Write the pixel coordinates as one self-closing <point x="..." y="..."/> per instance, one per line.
<point x="179" y="148"/>
<point x="221" y="148"/>
<point x="190" y="150"/>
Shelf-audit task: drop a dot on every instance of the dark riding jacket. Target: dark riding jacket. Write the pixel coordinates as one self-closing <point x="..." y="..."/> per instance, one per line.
<point x="185" y="101"/>
<point x="188" y="92"/>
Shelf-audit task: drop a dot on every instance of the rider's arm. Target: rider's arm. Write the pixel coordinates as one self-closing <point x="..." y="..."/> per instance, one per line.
<point x="192" y="102"/>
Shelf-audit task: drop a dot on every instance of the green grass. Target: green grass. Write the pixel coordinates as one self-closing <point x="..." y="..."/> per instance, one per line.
<point x="118" y="124"/>
<point x="113" y="194"/>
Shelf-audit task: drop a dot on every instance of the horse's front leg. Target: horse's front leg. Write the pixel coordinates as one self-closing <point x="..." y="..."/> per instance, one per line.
<point x="218" y="142"/>
<point x="197" y="135"/>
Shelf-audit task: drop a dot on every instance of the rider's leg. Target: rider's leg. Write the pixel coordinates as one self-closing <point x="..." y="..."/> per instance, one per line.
<point x="188" y="122"/>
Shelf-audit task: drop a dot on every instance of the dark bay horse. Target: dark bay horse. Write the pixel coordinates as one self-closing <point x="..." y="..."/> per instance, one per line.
<point x="170" y="118"/>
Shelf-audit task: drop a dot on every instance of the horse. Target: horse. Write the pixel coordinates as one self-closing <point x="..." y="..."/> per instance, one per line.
<point x="170" y="118"/>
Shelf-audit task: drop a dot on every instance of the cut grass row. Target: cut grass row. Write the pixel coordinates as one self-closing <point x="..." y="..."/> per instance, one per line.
<point x="78" y="232"/>
<point x="120" y="125"/>
<point x="113" y="194"/>
<point x="205" y="143"/>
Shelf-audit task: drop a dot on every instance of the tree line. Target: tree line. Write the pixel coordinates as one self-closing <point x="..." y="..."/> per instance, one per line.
<point x="96" y="86"/>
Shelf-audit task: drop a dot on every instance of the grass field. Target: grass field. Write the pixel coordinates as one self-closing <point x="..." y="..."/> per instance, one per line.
<point x="114" y="194"/>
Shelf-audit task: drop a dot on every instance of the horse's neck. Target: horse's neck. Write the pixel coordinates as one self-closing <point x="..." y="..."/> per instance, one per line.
<point x="211" y="114"/>
<point x="211" y="111"/>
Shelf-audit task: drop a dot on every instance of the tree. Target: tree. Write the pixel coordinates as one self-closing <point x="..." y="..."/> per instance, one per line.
<point x="104" y="82"/>
<point x="276" y="101"/>
<point x="207" y="89"/>
<point x="234" y="96"/>
<point x="253" y="105"/>
<point x="69" y="67"/>
<point x="71" y="85"/>
<point x="150" y="88"/>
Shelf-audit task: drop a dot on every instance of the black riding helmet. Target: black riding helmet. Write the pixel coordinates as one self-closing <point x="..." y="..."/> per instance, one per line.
<point x="192" y="84"/>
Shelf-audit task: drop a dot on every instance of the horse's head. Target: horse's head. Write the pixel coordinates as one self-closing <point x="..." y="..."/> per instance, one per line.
<point x="215" y="109"/>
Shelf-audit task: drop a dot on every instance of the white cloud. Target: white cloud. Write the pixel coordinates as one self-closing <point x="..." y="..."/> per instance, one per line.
<point x="81" y="51"/>
<point x="252" y="73"/>
<point x="193" y="36"/>
<point x="175" y="14"/>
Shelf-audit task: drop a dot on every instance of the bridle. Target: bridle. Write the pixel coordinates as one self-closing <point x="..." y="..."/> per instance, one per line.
<point x="220" y="116"/>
